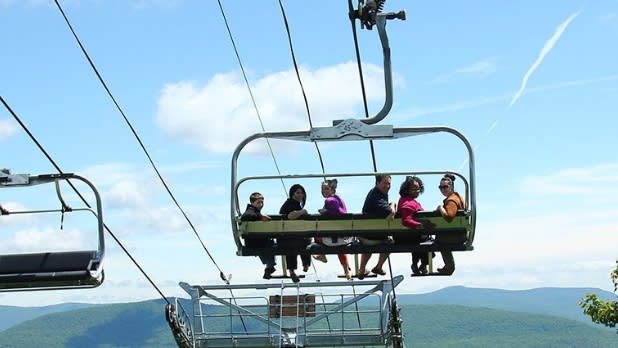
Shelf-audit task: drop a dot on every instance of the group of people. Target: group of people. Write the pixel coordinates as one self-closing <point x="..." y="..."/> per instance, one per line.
<point x="376" y="205"/>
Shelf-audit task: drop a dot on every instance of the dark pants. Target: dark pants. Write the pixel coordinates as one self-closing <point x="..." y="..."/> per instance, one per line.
<point x="267" y="259"/>
<point x="292" y="258"/>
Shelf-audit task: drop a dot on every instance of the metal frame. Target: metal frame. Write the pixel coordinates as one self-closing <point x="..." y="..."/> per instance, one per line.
<point x="45" y="279"/>
<point x="354" y="130"/>
<point x="375" y="302"/>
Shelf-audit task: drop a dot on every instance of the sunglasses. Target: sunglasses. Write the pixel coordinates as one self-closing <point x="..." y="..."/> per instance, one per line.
<point x="443" y="186"/>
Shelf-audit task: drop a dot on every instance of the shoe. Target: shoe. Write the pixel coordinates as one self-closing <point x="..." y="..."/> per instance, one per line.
<point x="348" y="275"/>
<point x="446" y="270"/>
<point x="415" y="269"/>
<point x="362" y="274"/>
<point x="294" y="277"/>
<point x="268" y="271"/>
<point x="321" y="257"/>
<point x="306" y="268"/>
<point x="423" y="268"/>
<point x="376" y="270"/>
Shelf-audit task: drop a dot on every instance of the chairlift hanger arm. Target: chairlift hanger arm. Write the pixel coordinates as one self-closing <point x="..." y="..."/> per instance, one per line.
<point x="8" y="179"/>
<point x="369" y="15"/>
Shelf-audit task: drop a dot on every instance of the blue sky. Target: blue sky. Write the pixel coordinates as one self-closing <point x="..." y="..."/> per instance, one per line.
<point x="533" y="85"/>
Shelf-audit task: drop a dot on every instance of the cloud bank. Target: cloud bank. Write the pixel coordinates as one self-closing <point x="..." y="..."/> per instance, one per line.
<point x="219" y="114"/>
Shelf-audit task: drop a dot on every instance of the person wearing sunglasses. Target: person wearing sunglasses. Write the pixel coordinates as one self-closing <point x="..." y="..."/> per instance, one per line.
<point x="448" y="210"/>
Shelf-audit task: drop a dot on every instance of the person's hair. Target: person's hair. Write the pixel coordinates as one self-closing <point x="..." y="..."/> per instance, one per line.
<point x="332" y="184"/>
<point x="451" y="178"/>
<point x="404" y="189"/>
<point x="380" y="177"/>
<point x="296" y="187"/>
<point x="255" y="196"/>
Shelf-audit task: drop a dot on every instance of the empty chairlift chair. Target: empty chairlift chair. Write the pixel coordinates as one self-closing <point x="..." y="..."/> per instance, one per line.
<point x="53" y="269"/>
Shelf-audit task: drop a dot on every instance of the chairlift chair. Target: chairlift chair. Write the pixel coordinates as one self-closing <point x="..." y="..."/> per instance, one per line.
<point x="54" y="269"/>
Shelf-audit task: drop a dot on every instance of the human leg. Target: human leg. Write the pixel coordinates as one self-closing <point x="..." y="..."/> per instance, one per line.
<point x="343" y="260"/>
<point x="306" y="260"/>
<point x="449" y="263"/>
<point x="362" y="272"/>
<point x="379" y="268"/>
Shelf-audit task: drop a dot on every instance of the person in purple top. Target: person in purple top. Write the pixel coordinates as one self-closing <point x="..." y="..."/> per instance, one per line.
<point x="334" y="206"/>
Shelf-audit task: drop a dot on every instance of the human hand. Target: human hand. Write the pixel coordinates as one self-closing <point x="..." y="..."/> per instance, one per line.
<point x="428" y="225"/>
<point x="391" y="216"/>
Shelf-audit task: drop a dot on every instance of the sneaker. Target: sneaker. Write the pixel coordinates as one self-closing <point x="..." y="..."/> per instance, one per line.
<point x="362" y="274"/>
<point x="415" y="269"/>
<point x="378" y="271"/>
<point x="321" y="257"/>
<point x="305" y="268"/>
<point x="446" y="270"/>
<point x="268" y="271"/>
<point x="423" y="268"/>
<point x="294" y="277"/>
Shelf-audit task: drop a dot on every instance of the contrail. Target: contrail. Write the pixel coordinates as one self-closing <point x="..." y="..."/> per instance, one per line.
<point x="546" y="49"/>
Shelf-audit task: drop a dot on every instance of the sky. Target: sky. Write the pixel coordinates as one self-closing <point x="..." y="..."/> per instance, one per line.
<point x="533" y="86"/>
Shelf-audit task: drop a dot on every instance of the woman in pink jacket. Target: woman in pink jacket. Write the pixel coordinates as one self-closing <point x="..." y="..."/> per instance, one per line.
<point x="410" y="189"/>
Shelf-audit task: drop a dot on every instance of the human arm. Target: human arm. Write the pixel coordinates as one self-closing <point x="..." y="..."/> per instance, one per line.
<point x="295" y="214"/>
<point x="292" y="209"/>
<point x="265" y="217"/>
<point x="448" y="210"/>
<point x="407" y="217"/>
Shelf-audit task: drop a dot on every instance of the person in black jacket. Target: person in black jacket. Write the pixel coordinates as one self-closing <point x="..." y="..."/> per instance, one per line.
<point x="254" y="213"/>
<point x="293" y="209"/>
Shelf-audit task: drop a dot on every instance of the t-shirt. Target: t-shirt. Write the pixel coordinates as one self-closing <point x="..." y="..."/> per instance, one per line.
<point x="376" y="204"/>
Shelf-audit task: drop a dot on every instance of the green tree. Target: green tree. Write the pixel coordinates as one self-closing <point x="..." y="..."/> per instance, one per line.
<point x="602" y="312"/>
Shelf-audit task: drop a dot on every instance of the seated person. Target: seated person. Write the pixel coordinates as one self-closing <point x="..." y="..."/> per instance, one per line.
<point x="377" y="205"/>
<point x="448" y="210"/>
<point x="334" y="205"/>
<point x="410" y="189"/>
<point x="292" y="209"/>
<point x="253" y="213"/>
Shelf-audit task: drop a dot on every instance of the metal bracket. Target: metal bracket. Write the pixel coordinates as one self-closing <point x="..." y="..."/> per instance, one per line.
<point x="353" y="129"/>
<point x="8" y="179"/>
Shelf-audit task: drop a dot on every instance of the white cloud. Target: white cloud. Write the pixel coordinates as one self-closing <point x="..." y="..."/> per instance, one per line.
<point x="598" y="180"/>
<point x="476" y="103"/>
<point x="40" y="240"/>
<point x="7" y="128"/>
<point x="215" y="116"/>
<point x="481" y="68"/>
<point x="549" y="45"/>
<point x="138" y="5"/>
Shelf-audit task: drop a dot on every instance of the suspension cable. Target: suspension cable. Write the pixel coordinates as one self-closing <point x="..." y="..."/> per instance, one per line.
<point x="46" y="154"/>
<point x="360" y="74"/>
<point x="300" y="82"/>
<point x="139" y="140"/>
<point x="244" y="75"/>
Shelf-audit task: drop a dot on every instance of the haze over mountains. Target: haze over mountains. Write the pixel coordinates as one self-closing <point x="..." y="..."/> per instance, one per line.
<point x="454" y="316"/>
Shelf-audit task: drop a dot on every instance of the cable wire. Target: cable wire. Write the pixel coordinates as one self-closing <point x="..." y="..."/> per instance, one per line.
<point x="244" y="75"/>
<point x="360" y="74"/>
<point x="300" y="82"/>
<point x="51" y="160"/>
<point x="139" y="140"/>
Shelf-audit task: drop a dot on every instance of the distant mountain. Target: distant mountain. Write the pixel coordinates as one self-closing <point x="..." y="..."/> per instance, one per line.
<point x="560" y="302"/>
<point x="12" y="315"/>
<point x="456" y="326"/>
<point x="143" y="325"/>
<point x="140" y="324"/>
